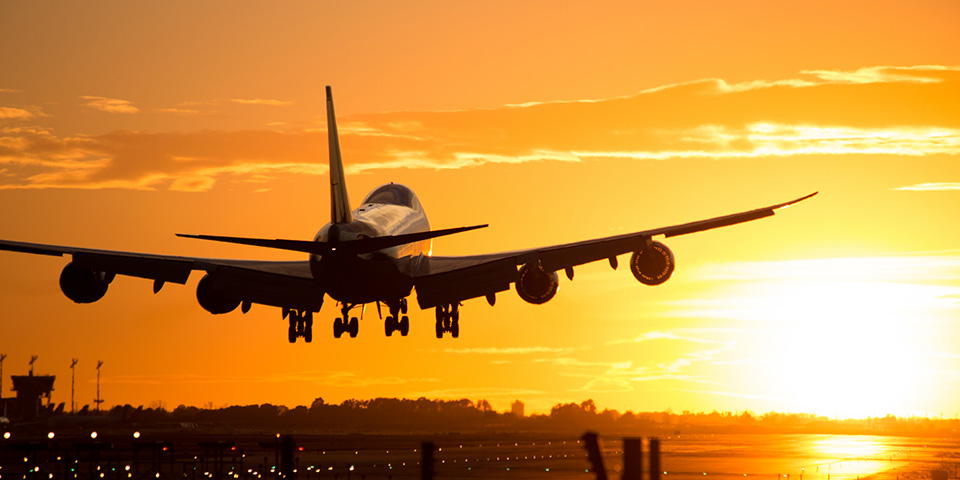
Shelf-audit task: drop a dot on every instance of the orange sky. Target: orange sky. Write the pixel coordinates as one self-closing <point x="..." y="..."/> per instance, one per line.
<point x="121" y="124"/>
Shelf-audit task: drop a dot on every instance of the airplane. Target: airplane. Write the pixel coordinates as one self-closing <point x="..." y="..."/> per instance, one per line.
<point x="377" y="253"/>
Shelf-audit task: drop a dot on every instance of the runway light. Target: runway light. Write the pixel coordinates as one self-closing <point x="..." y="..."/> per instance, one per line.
<point x="136" y="434"/>
<point x="6" y="435"/>
<point x="51" y="435"/>
<point x="93" y="434"/>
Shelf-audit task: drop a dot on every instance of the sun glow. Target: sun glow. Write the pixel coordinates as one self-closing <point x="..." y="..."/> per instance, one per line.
<point x="838" y="337"/>
<point x="850" y="447"/>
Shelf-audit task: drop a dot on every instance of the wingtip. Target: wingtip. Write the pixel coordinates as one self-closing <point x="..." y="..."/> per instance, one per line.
<point x="792" y="202"/>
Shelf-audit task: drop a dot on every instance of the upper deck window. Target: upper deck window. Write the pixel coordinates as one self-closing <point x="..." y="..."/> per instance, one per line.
<point x="393" y="194"/>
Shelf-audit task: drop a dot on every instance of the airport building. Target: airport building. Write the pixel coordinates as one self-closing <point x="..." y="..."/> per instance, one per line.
<point x="33" y="398"/>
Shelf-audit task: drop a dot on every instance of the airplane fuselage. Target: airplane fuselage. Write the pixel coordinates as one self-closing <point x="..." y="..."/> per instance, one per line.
<point x="350" y="278"/>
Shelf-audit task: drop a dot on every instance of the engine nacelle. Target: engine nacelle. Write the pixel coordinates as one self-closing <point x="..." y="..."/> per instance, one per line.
<point x="653" y="267"/>
<point x="83" y="285"/>
<point x="214" y="299"/>
<point x="535" y="285"/>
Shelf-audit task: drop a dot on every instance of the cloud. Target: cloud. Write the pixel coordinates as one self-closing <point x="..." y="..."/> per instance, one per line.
<point x="10" y="112"/>
<point x="932" y="187"/>
<point x="261" y="101"/>
<point x="914" y="74"/>
<point x="920" y="267"/>
<point x="110" y="105"/>
<point x="479" y="393"/>
<point x="179" y="111"/>
<point x="861" y="112"/>
<point x="325" y="378"/>
<point x="506" y="350"/>
<point x="132" y="160"/>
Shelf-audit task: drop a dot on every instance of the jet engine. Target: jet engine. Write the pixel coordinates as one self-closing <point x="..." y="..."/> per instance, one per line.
<point x="535" y="285"/>
<point x="83" y="285"/>
<point x="652" y="267"/>
<point x="214" y="299"/>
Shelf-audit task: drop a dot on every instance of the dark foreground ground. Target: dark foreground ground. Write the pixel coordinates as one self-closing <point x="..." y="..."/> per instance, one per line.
<point x="188" y="454"/>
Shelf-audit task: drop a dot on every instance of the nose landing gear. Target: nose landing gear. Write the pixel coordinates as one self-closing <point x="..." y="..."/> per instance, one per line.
<point x="448" y="320"/>
<point x="342" y="325"/>
<point x="394" y="322"/>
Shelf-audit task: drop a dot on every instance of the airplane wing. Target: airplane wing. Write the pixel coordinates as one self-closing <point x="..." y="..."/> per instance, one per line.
<point x="285" y="284"/>
<point x="447" y="280"/>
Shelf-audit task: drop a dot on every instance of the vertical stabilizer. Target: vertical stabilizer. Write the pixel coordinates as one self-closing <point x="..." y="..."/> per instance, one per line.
<point x="339" y="203"/>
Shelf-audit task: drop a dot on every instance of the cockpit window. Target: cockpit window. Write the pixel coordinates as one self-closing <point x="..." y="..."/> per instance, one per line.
<point x="392" y="194"/>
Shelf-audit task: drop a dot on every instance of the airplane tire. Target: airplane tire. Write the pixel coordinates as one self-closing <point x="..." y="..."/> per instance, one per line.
<point x="308" y="333"/>
<point x="439" y="329"/>
<point x="354" y="327"/>
<point x="292" y="334"/>
<point x="404" y="325"/>
<point x="388" y="326"/>
<point x="337" y="328"/>
<point x="455" y="326"/>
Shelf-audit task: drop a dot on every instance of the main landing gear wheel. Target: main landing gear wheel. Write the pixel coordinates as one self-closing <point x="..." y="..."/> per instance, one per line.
<point x="394" y="322"/>
<point x="342" y="325"/>
<point x="448" y="320"/>
<point x="301" y="325"/>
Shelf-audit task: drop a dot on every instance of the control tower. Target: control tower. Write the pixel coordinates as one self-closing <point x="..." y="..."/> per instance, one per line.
<point x="31" y="392"/>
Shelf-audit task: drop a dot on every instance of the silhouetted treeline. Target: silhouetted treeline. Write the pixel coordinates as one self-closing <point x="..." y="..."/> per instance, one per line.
<point x="442" y="416"/>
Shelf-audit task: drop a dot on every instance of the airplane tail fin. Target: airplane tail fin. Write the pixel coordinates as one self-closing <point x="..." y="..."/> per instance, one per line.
<point x="339" y="202"/>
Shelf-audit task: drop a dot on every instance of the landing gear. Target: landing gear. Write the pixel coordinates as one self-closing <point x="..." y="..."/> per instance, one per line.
<point x="342" y="325"/>
<point x="301" y="325"/>
<point x="448" y="320"/>
<point x="394" y="322"/>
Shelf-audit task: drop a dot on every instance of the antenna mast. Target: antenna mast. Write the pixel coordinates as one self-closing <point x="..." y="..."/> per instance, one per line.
<point x="73" y="381"/>
<point x="99" y="400"/>
<point x="3" y="356"/>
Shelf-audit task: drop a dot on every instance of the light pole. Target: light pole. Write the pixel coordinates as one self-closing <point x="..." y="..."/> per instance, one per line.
<point x="99" y="400"/>
<point x="3" y="356"/>
<point x="73" y="381"/>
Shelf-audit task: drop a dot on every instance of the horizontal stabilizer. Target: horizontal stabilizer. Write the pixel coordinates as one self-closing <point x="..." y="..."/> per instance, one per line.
<point x="363" y="245"/>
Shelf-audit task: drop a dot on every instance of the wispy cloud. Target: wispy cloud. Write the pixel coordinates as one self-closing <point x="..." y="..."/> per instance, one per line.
<point x="773" y="119"/>
<point x="179" y="111"/>
<point x="912" y="74"/>
<point x="479" y="393"/>
<point x="110" y="105"/>
<point x="506" y="350"/>
<point x="903" y="267"/>
<point x="326" y="378"/>
<point x="932" y="187"/>
<point x="18" y="113"/>
<point x="261" y="101"/>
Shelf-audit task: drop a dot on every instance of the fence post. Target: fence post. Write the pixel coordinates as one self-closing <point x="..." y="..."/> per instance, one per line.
<point x="287" y="446"/>
<point x="654" y="458"/>
<point x="632" y="459"/>
<point x="592" y="445"/>
<point x="426" y="460"/>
